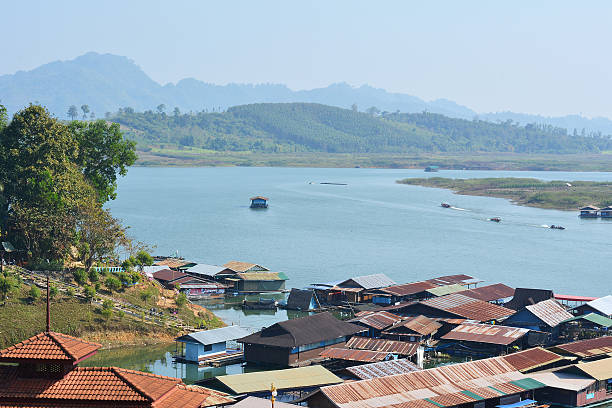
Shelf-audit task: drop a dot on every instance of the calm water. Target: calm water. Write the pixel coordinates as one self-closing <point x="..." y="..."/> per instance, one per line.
<point x="322" y="233"/>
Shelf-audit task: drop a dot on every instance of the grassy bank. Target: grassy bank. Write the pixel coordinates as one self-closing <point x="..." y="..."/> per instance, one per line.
<point x="526" y="191"/>
<point x="193" y="157"/>
<point x="21" y="316"/>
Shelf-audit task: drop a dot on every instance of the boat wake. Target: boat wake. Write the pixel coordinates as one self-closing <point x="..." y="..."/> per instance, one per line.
<point x="459" y="209"/>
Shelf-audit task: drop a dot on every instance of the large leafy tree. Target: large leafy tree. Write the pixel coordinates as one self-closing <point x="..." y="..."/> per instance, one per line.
<point x="102" y="154"/>
<point x="56" y="178"/>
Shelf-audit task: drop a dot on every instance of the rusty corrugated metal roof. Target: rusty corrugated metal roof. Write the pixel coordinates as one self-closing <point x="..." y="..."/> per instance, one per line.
<point x="409" y="288"/>
<point x="367" y="356"/>
<point x="440" y="383"/>
<point x="382" y="369"/>
<point x="586" y="348"/>
<point x="468" y="307"/>
<point x="490" y="292"/>
<point x="390" y="346"/>
<point x="533" y="358"/>
<point x="420" y="324"/>
<point x="377" y="320"/>
<point x="485" y="333"/>
<point x="550" y="312"/>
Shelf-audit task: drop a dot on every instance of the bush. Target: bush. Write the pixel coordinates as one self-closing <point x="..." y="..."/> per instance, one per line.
<point x="80" y="276"/>
<point x="90" y="293"/>
<point x="135" y="277"/>
<point x="112" y="284"/>
<point x="107" y="304"/>
<point x="125" y="278"/>
<point x="70" y="292"/>
<point x="121" y="314"/>
<point x="93" y="276"/>
<point x="107" y="313"/>
<point x="53" y="291"/>
<point x="34" y="292"/>
<point x="181" y="300"/>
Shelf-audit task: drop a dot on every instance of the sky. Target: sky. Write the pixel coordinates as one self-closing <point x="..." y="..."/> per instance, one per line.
<point x="541" y="57"/>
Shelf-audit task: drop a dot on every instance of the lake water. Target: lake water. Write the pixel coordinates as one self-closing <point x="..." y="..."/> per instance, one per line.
<point x="321" y="233"/>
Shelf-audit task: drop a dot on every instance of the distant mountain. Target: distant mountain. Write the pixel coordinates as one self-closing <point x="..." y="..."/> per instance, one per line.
<point x="108" y="82"/>
<point x="309" y="127"/>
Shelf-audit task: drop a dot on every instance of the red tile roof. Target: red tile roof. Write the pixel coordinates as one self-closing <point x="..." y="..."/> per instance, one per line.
<point x="97" y="385"/>
<point x="50" y="346"/>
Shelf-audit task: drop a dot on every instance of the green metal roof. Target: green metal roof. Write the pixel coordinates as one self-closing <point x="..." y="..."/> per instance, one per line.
<point x="496" y="390"/>
<point x="593" y="318"/>
<point x="528" y="384"/>
<point x="446" y="289"/>
<point x="434" y="402"/>
<point x="301" y="377"/>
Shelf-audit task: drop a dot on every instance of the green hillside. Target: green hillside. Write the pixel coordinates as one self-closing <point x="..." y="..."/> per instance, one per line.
<point x="304" y="127"/>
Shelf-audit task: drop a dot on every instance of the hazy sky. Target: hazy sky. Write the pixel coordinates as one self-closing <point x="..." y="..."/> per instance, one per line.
<point x="548" y="57"/>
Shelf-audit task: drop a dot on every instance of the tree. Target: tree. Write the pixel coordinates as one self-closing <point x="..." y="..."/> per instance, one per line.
<point x="34" y="293"/>
<point x="161" y="108"/>
<point x="181" y="300"/>
<point x="90" y="293"/>
<point x="98" y="236"/>
<point x="102" y="154"/>
<point x="80" y="276"/>
<point x="73" y="112"/>
<point x="107" y="314"/>
<point x="85" y="109"/>
<point x="107" y="304"/>
<point x="147" y="295"/>
<point x="92" y="116"/>
<point x="354" y="107"/>
<point x="94" y="276"/>
<point x="53" y="291"/>
<point x="176" y="111"/>
<point x="112" y="284"/>
<point x="373" y="110"/>
<point x="143" y="258"/>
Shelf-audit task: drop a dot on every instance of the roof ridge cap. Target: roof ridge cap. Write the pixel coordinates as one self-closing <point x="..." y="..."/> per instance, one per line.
<point x="142" y="393"/>
<point x="53" y="337"/>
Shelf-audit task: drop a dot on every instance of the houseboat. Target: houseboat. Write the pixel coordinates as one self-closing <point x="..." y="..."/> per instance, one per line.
<point x="445" y="205"/>
<point x="259" y="202"/>
<point x="589" y="212"/>
<point x="430" y="169"/>
<point x="606" y="212"/>
<point x="495" y="219"/>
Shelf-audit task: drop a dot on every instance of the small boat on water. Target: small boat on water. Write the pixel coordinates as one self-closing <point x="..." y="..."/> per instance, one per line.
<point x="259" y="202"/>
<point x="261" y="304"/>
<point x="495" y="219"/>
<point x="559" y="227"/>
<point x="445" y="205"/>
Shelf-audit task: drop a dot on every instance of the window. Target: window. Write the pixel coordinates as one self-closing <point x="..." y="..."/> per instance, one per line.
<point x="207" y="347"/>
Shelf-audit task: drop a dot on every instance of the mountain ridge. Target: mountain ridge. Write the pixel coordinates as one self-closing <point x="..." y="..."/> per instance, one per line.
<point x="107" y="82"/>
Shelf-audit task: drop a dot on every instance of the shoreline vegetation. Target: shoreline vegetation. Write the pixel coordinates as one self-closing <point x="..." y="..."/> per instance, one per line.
<point x="558" y="195"/>
<point x="194" y="157"/>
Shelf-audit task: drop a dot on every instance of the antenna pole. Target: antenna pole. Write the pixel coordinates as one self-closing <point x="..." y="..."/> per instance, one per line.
<point x="48" y="308"/>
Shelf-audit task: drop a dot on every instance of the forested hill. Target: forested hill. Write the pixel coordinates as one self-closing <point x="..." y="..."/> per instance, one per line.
<point x="301" y="127"/>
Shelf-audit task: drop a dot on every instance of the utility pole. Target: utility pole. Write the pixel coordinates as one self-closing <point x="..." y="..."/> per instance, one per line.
<point x="48" y="308"/>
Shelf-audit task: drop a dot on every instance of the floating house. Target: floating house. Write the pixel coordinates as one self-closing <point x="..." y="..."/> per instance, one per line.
<point x="419" y="290"/>
<point x="482" y="383"/>
<point x="414" y="329"/>
<point x="577" y="385"/>
<point x="496" y="293"/>
<point x="586" y="349"/>
<point x="304" y="300"/>
<point x="586" y="326"/>
<point x="255" y="402"/>
<point x="165" y="276"/>
<point x="527" y="296"/>
<point x="246" y="277"/>
<point x="375" y="322"/>
<point x="545" y="316"/>
<point x="589" y="212"/>
<point x="43" y="371"/>
<point x="483" y="340"/>
<point x="290" y="384"/>
<point x="606" y="212"/>
<point x="207" y="271"/>
<point x="177" y="264"/>
<point x="355" y="290"/>
<point x="454" y="306"/>
<point x="293" y="341"/>
<point x="211" y="345"/>
<point x="259" y="202"/>
<point x="601" y="306"/>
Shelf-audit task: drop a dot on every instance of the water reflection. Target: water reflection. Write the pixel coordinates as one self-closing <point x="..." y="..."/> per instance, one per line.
<point x="158" y="359"/>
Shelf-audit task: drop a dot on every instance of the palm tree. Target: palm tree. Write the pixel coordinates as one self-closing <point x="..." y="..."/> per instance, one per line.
<point x="73" y="112"/>
<point x="85" y="109"/>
